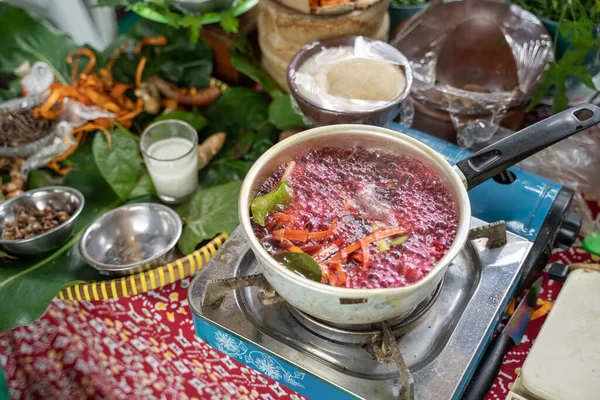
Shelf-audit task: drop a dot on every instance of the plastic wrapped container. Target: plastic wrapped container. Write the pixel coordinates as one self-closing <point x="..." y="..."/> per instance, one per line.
<point x="350" y="79"/>
<point x="474" y="61"/>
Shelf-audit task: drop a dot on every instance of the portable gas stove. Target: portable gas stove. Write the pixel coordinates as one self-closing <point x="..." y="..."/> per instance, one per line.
<point x="432" y="352"/>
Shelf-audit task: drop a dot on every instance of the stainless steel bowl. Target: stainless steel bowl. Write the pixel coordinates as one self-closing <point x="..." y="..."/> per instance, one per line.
<point x="58" y="197"/>
<point x="130" y="239"/>
<point x="198" y="7"/>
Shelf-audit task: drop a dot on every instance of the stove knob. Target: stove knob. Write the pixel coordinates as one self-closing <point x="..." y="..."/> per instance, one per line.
<point x="558" y="272"/>
<point x="568" y="231"/>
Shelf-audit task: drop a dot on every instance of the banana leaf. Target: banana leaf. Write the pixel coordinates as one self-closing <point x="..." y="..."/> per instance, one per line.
<point x="27" y="285"/>
<point x="24" y="37"/>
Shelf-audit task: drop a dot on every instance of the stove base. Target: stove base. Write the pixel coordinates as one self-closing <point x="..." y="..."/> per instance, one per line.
<point x="441" y="351"/>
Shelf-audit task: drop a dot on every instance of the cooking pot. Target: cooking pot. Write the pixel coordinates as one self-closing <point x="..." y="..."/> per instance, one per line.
<point x="363" y="306"/>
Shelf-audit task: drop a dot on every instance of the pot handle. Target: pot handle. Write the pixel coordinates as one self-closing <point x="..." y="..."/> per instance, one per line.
<point x="492" y="160"/>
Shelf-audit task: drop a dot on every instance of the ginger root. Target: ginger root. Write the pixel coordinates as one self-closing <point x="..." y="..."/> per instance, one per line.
<point x="208" y="149"/>
<point x="149" y="93"/>
<point x="16" y="185"/>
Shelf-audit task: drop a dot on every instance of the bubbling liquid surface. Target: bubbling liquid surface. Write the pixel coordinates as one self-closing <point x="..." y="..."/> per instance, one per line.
<point x="365" y="191"/>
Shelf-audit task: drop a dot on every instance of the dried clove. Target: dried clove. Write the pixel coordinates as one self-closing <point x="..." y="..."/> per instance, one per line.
<point x="31" y="222"/>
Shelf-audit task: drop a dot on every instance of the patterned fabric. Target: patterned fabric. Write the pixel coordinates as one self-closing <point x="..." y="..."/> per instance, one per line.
<point x="144" y="347"/>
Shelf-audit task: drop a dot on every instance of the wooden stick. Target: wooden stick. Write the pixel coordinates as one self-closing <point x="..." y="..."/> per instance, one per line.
<point x="589" y="266"/>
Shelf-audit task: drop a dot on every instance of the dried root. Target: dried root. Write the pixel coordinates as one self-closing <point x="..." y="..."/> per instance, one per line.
<point x="16" y="185"/>
<point x="208" y="149"/>
<point x="188" y="97"/>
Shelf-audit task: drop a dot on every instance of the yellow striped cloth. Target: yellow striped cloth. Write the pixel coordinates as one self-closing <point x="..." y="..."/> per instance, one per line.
<point x="144" y="281"/>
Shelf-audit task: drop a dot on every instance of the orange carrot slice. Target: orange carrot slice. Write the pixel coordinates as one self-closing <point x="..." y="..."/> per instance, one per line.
<point x="295" y="249"/>
<point x="339" y="271"/>
<point x="326" y="252"/>
<point x="365" y="251"/>
<point x="321" y="235"/>
<point x="333" y="278"/>
<point x="310" y="249"/>
<point x="297" y="235"/>
<point x="282" y="218"/>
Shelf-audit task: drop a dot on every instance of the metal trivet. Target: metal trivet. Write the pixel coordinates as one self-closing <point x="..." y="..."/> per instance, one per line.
<point x="217" y="289"/>
<point x="494" y="232"/>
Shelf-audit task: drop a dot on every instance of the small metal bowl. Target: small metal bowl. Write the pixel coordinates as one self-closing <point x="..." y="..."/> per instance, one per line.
<point x="199" y="7"/>
<point x="60" y="198"/>
<point x="25" y="150"/>
<point x="131" y="239"/>
<point x="321" y="115"/>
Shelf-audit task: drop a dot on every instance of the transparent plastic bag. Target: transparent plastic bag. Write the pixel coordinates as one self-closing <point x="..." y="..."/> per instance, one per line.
<point x="36" y="81"/>
<point x="474" y="107"/>
<point x="574" y="162"/>
<point x="74" y="115"/>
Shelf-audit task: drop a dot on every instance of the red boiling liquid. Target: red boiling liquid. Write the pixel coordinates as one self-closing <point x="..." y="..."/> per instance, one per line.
<point x="366" y="190"/>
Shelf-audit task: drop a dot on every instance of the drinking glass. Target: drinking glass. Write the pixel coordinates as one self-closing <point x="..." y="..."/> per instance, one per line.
<point x="169" y="150"/>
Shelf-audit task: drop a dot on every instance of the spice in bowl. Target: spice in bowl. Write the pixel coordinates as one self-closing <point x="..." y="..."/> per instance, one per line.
<point x="30" y="222"/>
<point x="19" y="127"/>
<point x="348" y="78"/>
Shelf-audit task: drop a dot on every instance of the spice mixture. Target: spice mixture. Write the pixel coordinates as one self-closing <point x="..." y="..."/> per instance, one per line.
<point x="337" y="79"/>
<point x="32" y="222"/>
<point x="19" y="127"/>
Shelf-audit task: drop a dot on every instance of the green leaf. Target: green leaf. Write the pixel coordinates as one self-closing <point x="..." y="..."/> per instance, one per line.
<point x="193" y="25"/>
<point x="237" y="110"/>
<point x="194" y="119"/>
<point x="285" y="114"/>
<point x="184" y="63"/>
<point x="209" y="213"/>
<point x="27" y="285"/>
<point x="120" y="163"/>
<point x="24" y="37"/>
<point x="12" y="87"/>
<point x="144" y="187"/>
<point x="243" y="59"/>
<point x="399" y="240"/>
<point x="242" y="129"/>
<point x="300" y="263"/>
<point x="262" y="205"/>
<point x="383" y="245"/>
<point x="229" y="22"/>
<point x="42" y="178"/>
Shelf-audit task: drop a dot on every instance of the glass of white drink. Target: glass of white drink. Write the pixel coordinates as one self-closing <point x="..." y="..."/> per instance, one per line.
<point x="169" y="149"/>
